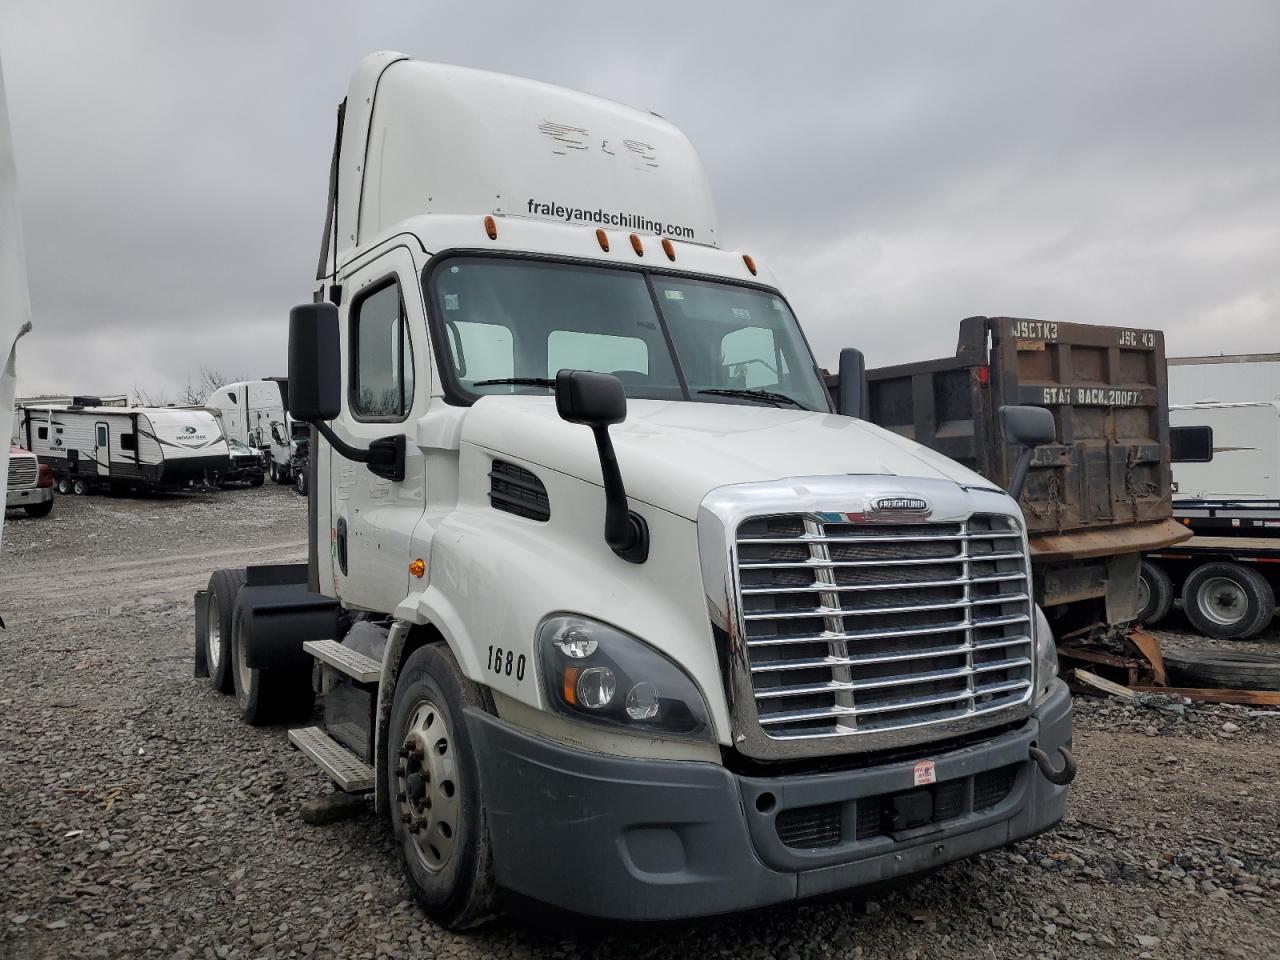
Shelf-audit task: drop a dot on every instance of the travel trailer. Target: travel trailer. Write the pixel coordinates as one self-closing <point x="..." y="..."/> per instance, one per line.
<point x="643" y="626"/>
<point x="91" y="448"/>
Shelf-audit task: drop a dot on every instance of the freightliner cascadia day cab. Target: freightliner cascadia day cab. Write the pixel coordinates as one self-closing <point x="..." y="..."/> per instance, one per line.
<point x="605" y="604"/>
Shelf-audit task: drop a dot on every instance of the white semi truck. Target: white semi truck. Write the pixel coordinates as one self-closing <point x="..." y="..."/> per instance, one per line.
<point x="605" y="603"/>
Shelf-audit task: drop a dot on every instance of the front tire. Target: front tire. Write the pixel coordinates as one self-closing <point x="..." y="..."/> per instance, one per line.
<point x="63" y="486"/>
<point x="266" y="696"/>
<point x="39" y="509"/>
<point x="1227" y="601"/>
<point x="438" y="817"/>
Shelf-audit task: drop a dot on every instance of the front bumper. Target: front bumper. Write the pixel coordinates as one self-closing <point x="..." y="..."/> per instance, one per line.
<point x="652" y="839"/>
<point x="27" y="497"/>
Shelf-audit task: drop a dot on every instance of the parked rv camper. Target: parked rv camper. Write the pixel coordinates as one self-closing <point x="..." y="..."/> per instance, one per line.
<point x="647" y="628"/>
<point x="93" y="448"/>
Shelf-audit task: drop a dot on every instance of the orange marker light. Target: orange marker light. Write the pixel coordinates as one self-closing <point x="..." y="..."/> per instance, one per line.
<point x="570" y="685"/>
<point x="604" y="240"/>
<point x="751" y="264"/>
<point x="669" y="248"/>
<point x="637" y="246"/>
<point x="418" y="568"/>
<point x="491" y="228"/>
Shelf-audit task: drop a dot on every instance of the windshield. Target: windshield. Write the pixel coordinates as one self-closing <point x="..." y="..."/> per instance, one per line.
<point x="665" y="337"/>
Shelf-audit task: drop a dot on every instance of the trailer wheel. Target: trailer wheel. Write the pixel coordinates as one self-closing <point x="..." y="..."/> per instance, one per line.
<point x="1155" y="593"/>
<point x="63" y="486"/>
<point x="79" y="487"/>
<point x="438" y="817"/>
<point x="1214" y="668"/>
<point x="1227" y="601"/>
<point x="267" y="696"/>
<point x="224" y="585"/>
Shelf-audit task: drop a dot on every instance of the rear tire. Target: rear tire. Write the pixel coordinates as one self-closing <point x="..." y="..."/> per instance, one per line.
<point x="267" y="696"/>
<point x="224" y="587"/>
<point x="448" y="861"/>
<point x="1155" y="593"/>
<point x="1227" y="601"/>
<point x="300" y="483"/>
<point x="79" y="487"/>
<point x="39" y="509"/>
<point x="63" y="486"/>
<point x="256" y="480"/>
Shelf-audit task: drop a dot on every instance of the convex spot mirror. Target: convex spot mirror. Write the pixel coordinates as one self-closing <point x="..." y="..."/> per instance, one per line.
<point x="315" y="362"/>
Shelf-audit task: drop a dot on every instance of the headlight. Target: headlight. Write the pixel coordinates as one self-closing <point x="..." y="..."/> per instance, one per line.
<point x="594" y="672"/>
<point x="1046" y="656"/>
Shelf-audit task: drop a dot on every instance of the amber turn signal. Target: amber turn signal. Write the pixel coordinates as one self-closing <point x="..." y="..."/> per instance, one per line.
<point x="571" y="685"/>
<point x="491" y="228"/>
<point x="418" y="568"/>
<point x="751" y="264"/>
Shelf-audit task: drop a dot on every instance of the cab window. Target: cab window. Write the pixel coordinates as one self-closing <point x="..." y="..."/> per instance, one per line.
<point x="381" y="356"/>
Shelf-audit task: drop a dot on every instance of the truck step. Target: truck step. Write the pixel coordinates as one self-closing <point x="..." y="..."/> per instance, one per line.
<point x="345" y="769"/>
<point x="354" y="664"/>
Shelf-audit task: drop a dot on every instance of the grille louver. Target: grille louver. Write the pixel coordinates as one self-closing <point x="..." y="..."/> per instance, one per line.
<point x="516" y="490"/>
<point x="23" y="472"/>
<point x="858" y="627"/>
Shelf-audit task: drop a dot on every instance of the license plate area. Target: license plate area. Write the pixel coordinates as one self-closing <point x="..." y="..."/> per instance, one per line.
<point x="907" y="811"/>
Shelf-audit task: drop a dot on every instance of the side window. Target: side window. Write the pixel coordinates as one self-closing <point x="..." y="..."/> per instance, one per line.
<point x="750" y="357"/>
<point x="603" y="353"/>
<point x="129" y="441"/>
<point x="381" y="357"/>
<point x="232" y="397"/>
<point x="102" y="436"/>
<point x="42" y="433"/>
<point x="481" y="351"/>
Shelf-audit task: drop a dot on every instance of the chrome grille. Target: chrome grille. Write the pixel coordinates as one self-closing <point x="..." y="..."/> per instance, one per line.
<point x="859" y="627"/>
<point x="22" y="472"/>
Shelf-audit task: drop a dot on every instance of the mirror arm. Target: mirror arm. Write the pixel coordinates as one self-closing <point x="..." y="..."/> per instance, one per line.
<point x="1020" y="469"/>
<point x="345" y="449"/>
<point x="625" y="531"/>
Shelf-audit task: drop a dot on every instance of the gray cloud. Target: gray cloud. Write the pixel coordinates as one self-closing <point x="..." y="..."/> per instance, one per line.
<point x="899" y="167"/>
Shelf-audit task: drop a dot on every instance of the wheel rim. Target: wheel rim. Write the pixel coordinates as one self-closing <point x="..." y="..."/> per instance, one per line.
<point x="1144" y="594"/>
<point x="1223" y="601"/>
<point x="242" y="666"/>
<point x="213" y="634"/>
<point x="427" y="790"/>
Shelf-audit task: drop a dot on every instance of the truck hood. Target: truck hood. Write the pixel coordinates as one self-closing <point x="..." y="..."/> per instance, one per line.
<point x="672" y="454"/>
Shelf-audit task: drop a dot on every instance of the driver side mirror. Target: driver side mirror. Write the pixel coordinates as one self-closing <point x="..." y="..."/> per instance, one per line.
<point x="315" y="362"/>
<point x="851" y="399"/>
<point x="1030" y="427"/>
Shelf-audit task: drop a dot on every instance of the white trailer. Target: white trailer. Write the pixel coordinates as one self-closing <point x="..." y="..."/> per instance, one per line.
<point x="1246" y="453"/>
<point x="1228" y="378"/>
<point x="147" y="448"/>
<point x="646" y="628"/>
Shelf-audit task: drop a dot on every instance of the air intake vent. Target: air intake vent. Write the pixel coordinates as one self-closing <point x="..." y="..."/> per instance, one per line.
<point x="516" y="490"/>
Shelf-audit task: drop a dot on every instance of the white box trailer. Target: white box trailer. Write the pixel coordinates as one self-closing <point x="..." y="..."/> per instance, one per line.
<point x="627" y="583"/>
<point x="122" y="448"/>
<point x="1228" y="378"/>
<point x="1246" y="452"/>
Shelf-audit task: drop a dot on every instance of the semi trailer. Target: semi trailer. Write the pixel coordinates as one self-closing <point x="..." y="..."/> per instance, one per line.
<point x="606" y="602"/>
<point x="1227" y="480"/>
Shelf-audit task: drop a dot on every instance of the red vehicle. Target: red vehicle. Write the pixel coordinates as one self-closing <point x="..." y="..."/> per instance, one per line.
<point x="30" y="484"/>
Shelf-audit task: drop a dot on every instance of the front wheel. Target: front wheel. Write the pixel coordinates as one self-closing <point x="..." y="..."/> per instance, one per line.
<point x="438" y="817"/>
<point x="63" y="486"/>
<point x="39" y="509"/>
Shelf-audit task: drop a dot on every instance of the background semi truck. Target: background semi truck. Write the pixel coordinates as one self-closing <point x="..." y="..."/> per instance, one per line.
<point x="605" y="603"/>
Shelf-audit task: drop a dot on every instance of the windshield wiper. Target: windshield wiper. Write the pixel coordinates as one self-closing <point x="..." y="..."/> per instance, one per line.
<point x="517" y="381"/>
<point x="768" y="396"/>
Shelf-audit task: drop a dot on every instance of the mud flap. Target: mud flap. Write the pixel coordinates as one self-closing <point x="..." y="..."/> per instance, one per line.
<point x="202" y="620"/>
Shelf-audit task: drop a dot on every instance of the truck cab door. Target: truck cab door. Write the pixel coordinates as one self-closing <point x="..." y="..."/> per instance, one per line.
<point x="385" y="361"/>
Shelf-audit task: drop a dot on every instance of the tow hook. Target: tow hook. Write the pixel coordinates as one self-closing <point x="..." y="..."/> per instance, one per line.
<point x="1060" y="777"/>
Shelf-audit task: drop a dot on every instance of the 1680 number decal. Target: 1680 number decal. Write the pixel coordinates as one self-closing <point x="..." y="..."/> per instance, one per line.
<point x="506" y="662"/>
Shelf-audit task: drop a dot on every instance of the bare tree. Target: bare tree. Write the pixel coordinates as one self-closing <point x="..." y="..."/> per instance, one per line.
<point x="193" y="394"/>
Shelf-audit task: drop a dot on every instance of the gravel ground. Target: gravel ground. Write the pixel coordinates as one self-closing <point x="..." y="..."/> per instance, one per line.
<point x="139" y="818"/>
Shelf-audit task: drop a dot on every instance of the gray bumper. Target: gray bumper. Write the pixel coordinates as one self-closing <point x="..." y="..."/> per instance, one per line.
<point x="648" y="839"/>
<point x="27" y="497"/>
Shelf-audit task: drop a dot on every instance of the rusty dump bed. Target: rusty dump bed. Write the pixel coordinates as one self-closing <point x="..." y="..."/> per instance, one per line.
<point x="1102" y="492"/>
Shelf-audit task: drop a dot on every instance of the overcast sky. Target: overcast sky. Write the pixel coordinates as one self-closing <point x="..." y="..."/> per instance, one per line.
<point x="900" y="166"/>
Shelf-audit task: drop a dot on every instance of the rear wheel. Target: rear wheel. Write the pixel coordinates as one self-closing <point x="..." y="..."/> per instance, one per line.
<point x="39" y="509"/>
<point x="79" y="487"/>
<point x="266" y="696"/>
<point x="224" y="585"/>
<point x="1155" y="594"/>
<point x="255" y="480"/>
<point x="438" y="817"/>
<point x="300" y="482"/>
<point x="63" y="486"/>
<point x="1228" y="601"/>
